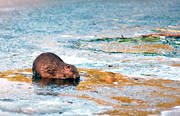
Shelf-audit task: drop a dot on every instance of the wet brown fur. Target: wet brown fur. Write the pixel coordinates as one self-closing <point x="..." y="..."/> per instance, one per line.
<point x="49" y="65"/>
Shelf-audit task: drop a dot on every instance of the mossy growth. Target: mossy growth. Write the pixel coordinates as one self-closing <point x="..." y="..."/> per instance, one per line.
<point x="124" y="39"/>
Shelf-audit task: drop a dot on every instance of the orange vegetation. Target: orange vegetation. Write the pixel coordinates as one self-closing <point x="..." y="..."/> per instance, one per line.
<point x="176" y="64"/>
<point x="126" y="95"/>
<point x="16" y="75"/>
<point x="156" y="91"/>
<point x="168" y="30"/>
<point x="132" y="48"/>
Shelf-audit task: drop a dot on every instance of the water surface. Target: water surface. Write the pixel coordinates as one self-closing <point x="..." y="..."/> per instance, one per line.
<point x="77" y="31"/>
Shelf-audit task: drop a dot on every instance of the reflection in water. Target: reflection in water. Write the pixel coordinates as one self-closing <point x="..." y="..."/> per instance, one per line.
<point x="53" y="87"/>
<point x="58" y="82"/>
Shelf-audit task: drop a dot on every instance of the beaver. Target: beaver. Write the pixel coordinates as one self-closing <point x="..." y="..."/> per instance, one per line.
<point x="49" y="65"/>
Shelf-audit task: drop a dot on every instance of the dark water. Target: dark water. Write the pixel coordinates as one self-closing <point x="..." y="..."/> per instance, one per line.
<point x="61" y="27"/>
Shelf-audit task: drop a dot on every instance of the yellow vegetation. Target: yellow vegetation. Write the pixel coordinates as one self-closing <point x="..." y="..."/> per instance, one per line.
<point x="126" y="95"/>
<point x="131" y="48"/>
<point x="168" y="30"/>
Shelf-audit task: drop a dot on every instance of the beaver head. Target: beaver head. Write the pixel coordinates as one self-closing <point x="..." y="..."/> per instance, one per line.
<point x="49" y="65"/>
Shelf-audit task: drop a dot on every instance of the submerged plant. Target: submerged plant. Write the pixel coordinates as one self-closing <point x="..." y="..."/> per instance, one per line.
<point x="125" y="39"/>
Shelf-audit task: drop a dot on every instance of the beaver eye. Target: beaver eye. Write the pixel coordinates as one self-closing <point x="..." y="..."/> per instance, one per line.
<point x="68" y="66"/>
<point x="51" y="71"/>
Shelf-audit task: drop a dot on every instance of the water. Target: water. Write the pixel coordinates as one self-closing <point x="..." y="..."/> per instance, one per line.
<point x="28" y="28"/>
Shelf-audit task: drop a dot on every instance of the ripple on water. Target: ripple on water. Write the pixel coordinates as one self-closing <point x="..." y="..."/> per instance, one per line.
<point x="76" y="31"/>
<point x="98" y="93"/>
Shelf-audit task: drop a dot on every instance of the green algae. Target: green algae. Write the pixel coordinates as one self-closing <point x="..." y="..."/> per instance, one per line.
<point x="124" y="39"/>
